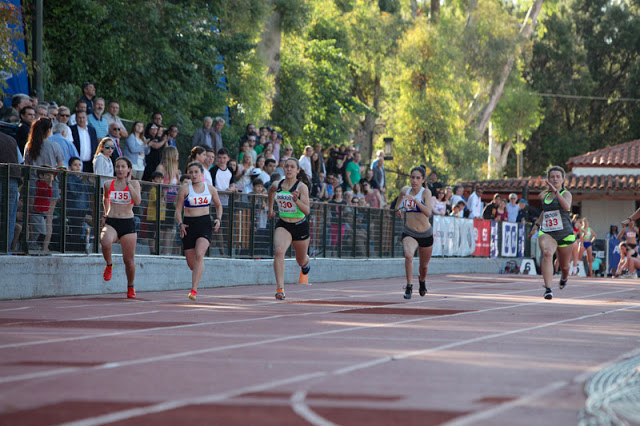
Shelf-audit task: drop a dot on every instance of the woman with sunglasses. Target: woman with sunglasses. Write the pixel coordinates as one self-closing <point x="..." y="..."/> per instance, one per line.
<point x="102" y="164"/>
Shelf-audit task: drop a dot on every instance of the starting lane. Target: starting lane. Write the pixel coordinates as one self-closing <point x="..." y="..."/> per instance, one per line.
<point x="472" y="345"/>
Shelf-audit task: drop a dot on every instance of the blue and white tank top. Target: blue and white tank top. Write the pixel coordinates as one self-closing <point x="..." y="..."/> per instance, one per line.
<point x="194" y="199"/>
<point x="411" y="201"/>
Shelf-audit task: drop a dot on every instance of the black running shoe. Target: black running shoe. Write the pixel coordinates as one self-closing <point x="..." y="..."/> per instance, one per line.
<point x="407" y="291"/>
<point x="563" y="283"/>
<point x="306" y="269"/>
<point x="423" y="288"/>
<point x="548" y="294"/>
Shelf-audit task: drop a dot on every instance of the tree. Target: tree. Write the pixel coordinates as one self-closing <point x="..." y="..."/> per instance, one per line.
<point x="11" y="61"/>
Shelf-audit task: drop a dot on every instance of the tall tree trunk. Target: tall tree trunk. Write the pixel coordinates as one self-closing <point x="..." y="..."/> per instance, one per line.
<point x="367" y="132"/>
<point x="269" y="47"/>
<point x="435" y="11"/>
<point x="525" y="32"/>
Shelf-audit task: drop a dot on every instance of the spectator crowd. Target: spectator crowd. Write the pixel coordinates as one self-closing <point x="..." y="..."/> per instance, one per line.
<point x="92" y="136"/>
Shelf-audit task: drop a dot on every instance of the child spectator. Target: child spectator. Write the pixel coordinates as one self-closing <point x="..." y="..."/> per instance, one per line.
<point x="458" y="209"/>
<point x="157" y="178"/>
<point x="78" y="206"/>
<point x="40" y="226"/>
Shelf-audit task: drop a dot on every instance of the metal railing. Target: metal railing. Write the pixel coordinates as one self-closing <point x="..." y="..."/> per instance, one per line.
<point x="63" y="216"/>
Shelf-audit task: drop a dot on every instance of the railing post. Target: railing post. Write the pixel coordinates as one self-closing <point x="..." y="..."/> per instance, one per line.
<point x="339" y="239"/>
<point x="393" y="235"/>
<point x="156" y="242"/>
<point x="368" y="232"/>
<point x="381" y="239"/>
<point x="231" y="217"/>
<point x="97" y="202"/>
<point x="63" y="213"/>
<point x="324" y="230"/>
<point x="7" y="211"/>
<point x="252" y="224"/>
<point x="354" y="233"/>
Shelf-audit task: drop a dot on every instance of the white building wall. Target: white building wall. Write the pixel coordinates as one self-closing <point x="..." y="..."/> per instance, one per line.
<point x="602" y="213"/>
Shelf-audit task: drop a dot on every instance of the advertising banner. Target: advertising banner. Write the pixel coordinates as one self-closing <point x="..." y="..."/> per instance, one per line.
<point x="495" y="248"/>
<point x="614" y="254"/>
<point x="482" y="233"/>
<point x="453" y="236"/>
<point x="509" y="246"/>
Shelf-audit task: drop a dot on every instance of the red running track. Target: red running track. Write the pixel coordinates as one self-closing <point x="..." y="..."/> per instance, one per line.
<point x="477" y="350"/>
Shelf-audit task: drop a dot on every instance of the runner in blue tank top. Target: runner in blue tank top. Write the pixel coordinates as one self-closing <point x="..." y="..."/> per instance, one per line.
<point x="415" y="201"/>
<point x="556" y="231"/>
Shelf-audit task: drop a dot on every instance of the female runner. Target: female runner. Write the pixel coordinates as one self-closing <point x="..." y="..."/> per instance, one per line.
<point x="630" y="237"/>
<point x="120" y="194"/>
<point x="195" y="231"/>
<point x="292" y="195"/>
<point x="587" y="237"/>
<point x="416" y="201"/>
<point x="556" y="232"/>
<point x="576" y="221"/>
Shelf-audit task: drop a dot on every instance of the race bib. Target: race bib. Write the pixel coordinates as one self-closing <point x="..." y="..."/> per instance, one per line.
<point x="286" y="204"/>
<point x="199" y="201"/>
<point x="631" y="234"/>
<point x="551" y="221"/>
<point x="410" y="203"/>
<point x="120" y="197"/>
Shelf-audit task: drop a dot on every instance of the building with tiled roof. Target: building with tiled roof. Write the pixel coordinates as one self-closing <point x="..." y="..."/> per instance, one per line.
<point x="605" y="185"/>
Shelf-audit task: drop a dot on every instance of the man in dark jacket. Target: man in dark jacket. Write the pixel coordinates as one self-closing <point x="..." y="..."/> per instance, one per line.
<point x="85" y="140"/>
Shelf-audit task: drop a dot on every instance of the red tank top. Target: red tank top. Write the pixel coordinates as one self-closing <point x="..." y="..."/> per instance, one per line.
<point x="119" y="197"/>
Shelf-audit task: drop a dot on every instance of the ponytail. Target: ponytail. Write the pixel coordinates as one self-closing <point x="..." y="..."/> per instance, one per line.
<point x="302" y="177"/>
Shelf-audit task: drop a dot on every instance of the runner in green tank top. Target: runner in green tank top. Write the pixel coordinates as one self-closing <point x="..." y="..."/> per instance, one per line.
<point x="556" y="231"/>
<point x="292" y="196"/>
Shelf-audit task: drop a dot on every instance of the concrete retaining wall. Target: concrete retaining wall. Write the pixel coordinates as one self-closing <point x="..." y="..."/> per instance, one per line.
<point x="23" y="277"/>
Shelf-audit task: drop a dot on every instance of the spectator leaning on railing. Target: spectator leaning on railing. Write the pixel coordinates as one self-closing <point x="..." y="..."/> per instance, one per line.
<point x="9" y="154"/>
<point x="475" y="203"/>
<point x="102" y="164"/>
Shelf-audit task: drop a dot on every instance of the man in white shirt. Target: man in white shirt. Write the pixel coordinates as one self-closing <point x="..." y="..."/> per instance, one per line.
<point x="305" y="161"/>
<point x="512" y="207"/>
<point x="112" y="117"/>
<point x="85" y="140"/>
<point x="475" y="203"/>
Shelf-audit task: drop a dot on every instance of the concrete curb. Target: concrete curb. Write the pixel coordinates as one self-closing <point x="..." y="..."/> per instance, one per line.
<point x="24" y="277"/>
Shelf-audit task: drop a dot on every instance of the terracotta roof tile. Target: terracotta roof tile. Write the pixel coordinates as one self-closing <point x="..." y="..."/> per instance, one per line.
<point x="623" y="155"/>
<point x="600" y="183"/>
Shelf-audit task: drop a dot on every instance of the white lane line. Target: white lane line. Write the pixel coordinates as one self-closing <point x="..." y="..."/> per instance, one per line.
<point x="38" y="375"/>
<point x="165" y="406"/>
<point x="302" y="409"/>
<point x="491" y="412"/>
<point x="552" y="387"/>
<point x="207" y="399"/>
<point x="345" y="370"/>
<point x="337" y="309"/>
<point x="15" y="309"/>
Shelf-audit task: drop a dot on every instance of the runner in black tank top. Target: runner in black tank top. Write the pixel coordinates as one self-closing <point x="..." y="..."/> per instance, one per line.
<point x="415" y="201"/>
<point x="556" y="231"/>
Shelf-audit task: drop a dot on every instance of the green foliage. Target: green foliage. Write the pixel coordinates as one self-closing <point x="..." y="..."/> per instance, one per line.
<point x="589" y="49"/>
<point x="10" y="34"/>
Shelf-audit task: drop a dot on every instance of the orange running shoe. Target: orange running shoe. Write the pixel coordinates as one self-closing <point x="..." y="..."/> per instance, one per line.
<point x="131" y="292"/>
<point x="108" y="270"/>
<point x="192" y="295"/>
<point x="303" y="279"/>
<point x="280" y="294"/>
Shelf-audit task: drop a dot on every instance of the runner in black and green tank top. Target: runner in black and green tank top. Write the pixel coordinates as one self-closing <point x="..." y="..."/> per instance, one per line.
<point x="292" y="196"/>
<point x="556" y="231"/>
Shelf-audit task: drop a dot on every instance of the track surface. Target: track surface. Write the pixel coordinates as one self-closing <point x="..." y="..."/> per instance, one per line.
<point x="477" y="350"/>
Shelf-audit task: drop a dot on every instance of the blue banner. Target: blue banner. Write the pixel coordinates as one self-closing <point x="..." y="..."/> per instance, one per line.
<point x="19" y="82"/>
<point x="521" y="239"/>
<point x="509" y="239"/>
<point x="614" y="254"/>
<point x="495" y="247"/>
